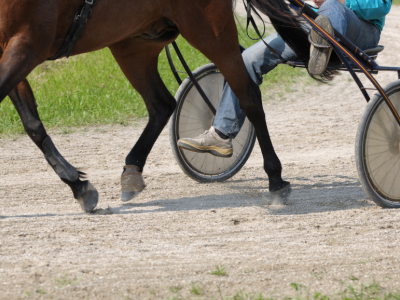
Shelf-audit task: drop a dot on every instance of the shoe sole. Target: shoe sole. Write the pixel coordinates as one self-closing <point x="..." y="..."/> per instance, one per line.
<point x="319" y="57"/>
<point x="216" y="151"/>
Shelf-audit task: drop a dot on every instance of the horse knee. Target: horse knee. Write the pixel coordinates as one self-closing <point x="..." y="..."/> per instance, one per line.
<point x="170" y="107"/>
<point x="252" y="107"/>
<point x="36" y="131"/>
<point x="254" y="113"/>
<point x="163" y="111"/>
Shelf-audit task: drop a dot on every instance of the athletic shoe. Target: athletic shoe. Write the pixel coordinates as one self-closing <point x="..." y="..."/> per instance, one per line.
<point x="208" y="142"/>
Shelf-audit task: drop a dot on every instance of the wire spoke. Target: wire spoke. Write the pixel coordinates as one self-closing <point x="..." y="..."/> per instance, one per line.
<point x="395" y="177"/>
<point x="377" y="153"/>
<point x="378" y="167"/>
<point x="387" y="173"/>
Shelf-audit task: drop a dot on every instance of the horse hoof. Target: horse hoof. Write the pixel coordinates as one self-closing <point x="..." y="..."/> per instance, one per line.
<point x="89" y="199"/>
<point x="126" y="196"/>
<point x="132" y="183"/>
<point x="281" y="196"/>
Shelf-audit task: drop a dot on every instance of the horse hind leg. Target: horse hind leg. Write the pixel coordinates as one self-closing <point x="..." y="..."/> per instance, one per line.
<point x="218" y="41"/>
<point x="25" y="104"/>
<point x="138" y="60"/>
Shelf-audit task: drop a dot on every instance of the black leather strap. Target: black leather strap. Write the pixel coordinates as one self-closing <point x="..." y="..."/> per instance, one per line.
<point x="249" y="7"/>
<point x="76" y="30"/>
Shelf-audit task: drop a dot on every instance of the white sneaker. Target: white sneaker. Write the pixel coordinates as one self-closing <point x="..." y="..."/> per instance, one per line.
<point x="208" y="142"/>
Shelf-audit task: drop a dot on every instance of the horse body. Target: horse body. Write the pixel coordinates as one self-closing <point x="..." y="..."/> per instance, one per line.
<point x="47" y="22"/>
<point x="136" y="32"/>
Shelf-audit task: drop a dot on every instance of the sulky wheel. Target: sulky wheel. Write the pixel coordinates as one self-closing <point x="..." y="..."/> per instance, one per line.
<point x="378" y="149"/>
<point x="192" y="117"/>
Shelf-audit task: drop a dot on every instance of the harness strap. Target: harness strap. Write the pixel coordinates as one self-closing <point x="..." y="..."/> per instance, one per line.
<point x="249" y="7"/>
<point x="76" y="30"/>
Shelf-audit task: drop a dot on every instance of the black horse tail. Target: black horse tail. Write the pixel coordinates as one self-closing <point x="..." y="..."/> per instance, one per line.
<point x="287" y="25"/>
<point x="291" y="28"/>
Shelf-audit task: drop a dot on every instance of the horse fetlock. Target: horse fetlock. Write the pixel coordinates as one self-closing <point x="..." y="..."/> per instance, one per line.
<point x="132" y="182"/>
<point x="273" y="167"/>
<point x="63" y="168"/>
<point x="276" y="182"/>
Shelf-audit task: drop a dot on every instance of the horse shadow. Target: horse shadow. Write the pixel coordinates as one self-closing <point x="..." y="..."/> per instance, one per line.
<point x="341" y="193"/>
<point x="337" y="193"/>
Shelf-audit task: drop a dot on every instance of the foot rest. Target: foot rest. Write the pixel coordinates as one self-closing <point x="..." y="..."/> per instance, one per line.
<point x="373" y="52"/>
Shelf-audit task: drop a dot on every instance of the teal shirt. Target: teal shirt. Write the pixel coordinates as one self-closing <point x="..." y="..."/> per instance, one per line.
<point x="373" y="11"/>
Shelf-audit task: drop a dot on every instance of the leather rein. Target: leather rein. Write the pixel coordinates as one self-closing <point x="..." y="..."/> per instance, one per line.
<point x="250" y="20"/>
<point x="76" y="30"/>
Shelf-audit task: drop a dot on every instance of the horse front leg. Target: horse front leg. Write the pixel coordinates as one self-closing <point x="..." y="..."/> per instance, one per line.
<point x="138" y="60"/>
<point x="25" y="104"/>
<point x="218" y="41"/>
<point x="18" y="59"/>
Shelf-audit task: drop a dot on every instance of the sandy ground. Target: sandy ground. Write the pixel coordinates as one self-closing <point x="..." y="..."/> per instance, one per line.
<point x="178" y="230"/>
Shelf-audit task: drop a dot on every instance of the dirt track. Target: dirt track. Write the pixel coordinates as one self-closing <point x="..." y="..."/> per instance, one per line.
<point x="177" y="231"/>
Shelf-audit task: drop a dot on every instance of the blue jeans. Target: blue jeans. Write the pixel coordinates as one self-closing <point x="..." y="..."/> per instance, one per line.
<point x="259" y="60"/>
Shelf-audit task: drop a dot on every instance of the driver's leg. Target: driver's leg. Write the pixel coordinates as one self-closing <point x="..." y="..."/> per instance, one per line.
<point x="363" y="34"/>
<point x="230" y="117"/>
<point x="259" y="60"/>
<point x="335" y="15"/>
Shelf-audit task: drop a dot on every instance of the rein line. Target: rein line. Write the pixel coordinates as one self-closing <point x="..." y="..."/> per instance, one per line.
<point x="249" y="7"/>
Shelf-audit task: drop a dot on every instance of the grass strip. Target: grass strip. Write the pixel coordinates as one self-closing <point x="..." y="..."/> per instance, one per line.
<point x="90" y="89"/>
<point x="350" y="291"/>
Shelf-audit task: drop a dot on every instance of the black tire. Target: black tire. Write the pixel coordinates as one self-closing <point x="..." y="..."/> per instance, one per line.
<point x="192" y="117"/>
<point x="378" y="149"/>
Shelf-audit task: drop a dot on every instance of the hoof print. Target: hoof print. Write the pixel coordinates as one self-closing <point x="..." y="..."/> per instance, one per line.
<point x="100" y="211"/>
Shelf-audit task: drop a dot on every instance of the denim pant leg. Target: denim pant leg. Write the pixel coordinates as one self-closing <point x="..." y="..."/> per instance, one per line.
<point x="361" y="33"/>
<point x="258" y="61"/>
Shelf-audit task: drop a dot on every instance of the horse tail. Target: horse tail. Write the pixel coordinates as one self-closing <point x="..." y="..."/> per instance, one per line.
<point x="287" y="25"/>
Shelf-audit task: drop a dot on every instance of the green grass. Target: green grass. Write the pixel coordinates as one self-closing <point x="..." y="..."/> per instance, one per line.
<point x="64" y="280"/>
<point x="175" y="288"/>
<point x="219" y="271"/>
<point x="295" y="291"/>
<point x="372" y="291"/>
<point x="396" y="2"/>
<point x="90" y="89"/>
<point x="40" y="291"/>
<point x="196" y="290"/>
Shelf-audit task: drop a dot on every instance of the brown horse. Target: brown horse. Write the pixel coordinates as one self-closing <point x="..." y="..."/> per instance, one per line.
<point x="136" y="32"/>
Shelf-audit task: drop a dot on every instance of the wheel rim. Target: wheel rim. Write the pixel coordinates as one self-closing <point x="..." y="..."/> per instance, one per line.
<point x="196" y="117"/>
<point x="382" y="150"/>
